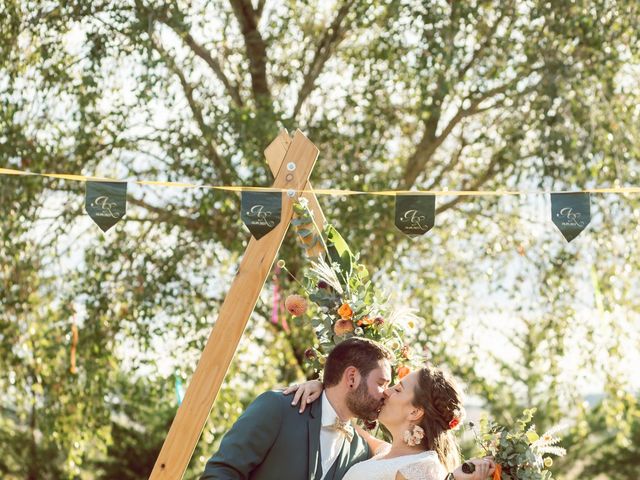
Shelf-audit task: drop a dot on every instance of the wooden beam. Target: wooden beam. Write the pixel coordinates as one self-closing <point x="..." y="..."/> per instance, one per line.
<point x="275" y="154"/>
<point x="236" y="309"/>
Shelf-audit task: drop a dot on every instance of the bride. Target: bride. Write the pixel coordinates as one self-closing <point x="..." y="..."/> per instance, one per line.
<point x="419" y="412"/>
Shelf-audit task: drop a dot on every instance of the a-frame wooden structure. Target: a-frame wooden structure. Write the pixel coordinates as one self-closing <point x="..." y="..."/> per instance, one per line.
<point x="291" y="160"/>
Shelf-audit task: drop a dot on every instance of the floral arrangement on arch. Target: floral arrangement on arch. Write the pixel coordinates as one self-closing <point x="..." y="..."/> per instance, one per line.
<point x="520" y="453"/>
<point x="345" y="301"/>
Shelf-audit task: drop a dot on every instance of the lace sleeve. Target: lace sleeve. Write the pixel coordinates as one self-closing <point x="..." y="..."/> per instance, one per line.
<point x="429" y="469"/>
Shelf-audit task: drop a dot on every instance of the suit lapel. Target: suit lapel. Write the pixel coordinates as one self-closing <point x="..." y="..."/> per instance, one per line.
<point x="314" y="425"/>
<point x="343" y="459"/>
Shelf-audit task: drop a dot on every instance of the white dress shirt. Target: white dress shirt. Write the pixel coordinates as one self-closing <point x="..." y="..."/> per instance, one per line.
<point x="331" y="441"/>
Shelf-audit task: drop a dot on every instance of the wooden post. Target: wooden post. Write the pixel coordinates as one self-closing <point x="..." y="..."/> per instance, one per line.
<point x="238" y="305"/>
<point x="274" y="154"/>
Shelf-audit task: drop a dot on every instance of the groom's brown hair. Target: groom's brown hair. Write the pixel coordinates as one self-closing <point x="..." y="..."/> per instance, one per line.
<point x="356" y="352"/>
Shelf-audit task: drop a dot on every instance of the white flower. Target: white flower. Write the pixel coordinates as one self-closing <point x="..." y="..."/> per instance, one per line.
<point x="327" y="274"/>
<point x="414" y="436"/>
<point x="405" y="317"/>
<point x="548" y="440"/>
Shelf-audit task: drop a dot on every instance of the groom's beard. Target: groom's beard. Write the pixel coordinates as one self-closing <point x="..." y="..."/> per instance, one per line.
<point x="362" y="404"/>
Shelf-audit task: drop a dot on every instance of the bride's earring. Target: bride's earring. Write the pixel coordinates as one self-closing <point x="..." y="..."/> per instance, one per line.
<point x="413" y="436"/>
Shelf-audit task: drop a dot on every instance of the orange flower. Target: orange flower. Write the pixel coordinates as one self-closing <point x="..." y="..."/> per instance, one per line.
<point x="296" y="305"/>
<point x="343" y="327"/>
<point x="364" y="321"/>
<point x="497" y="473"/>
<point x="403" y="371"/>
<point x="345" y="311"/>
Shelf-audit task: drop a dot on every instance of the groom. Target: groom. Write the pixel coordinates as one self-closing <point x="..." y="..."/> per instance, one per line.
<point x="272" y="441"/>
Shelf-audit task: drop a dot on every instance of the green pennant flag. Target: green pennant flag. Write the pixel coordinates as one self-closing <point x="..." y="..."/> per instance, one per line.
<point x="106" y="202"/>
<point x="260" y="211"/>
<point x="571" y="213"/>
<point x="415" y="214"/>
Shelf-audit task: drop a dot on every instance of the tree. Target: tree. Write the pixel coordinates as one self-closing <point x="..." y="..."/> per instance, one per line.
<point x="396" y="94"/>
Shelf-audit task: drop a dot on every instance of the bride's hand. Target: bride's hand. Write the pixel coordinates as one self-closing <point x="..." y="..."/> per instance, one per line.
<point x="306" y="393"/>
<point x="484" y="469"/>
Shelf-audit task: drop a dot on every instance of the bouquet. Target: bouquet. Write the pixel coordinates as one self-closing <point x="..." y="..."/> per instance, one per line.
<point x="346" y="301"/>
<point x="520" y="453"/>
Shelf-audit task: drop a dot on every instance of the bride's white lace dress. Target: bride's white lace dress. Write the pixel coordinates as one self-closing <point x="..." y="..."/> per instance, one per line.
<point x="420" y="466"/>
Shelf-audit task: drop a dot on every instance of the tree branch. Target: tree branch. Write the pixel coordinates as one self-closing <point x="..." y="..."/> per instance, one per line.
<point x="482" y="48"/>
<point x="325" y="48"/>
<point x="427" y="147"/>
<point x="194" y="225"/>
<point x="166" y="215"/>
<point x="430" y="142"/>
<point x="255" y="46"/>
<point x="260" y="8"/>
<point x="204" y="54"/>
<point x="490" y="172"/>
<point x="455" y="159"/>
<point x="225" y="173"/>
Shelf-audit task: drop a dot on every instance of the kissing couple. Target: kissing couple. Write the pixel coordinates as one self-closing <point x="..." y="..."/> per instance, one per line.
<point x="274" y="439"/>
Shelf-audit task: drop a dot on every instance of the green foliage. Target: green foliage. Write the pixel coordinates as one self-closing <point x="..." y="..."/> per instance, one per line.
<point x="608" y="439"/>
<point x="348" y="303"/>
<point x="519" y="450"/>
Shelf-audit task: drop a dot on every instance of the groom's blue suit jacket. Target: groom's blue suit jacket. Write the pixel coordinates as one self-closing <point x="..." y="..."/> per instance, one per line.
<point x="272" y="441"/>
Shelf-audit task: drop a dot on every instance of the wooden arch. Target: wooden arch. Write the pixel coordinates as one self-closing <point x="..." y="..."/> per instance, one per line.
<point x="291" y="161"/>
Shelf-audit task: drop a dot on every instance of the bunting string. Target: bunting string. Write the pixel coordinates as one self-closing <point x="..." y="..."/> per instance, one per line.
<point x="261" y="207"/>
<point x="319" y="191"/>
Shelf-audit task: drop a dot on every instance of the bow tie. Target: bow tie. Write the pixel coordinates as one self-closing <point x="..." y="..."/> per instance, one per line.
<point x="342" y="427"/>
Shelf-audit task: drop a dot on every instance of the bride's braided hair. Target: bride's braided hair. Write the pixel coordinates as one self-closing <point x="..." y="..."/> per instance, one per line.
<point x="438" y="395"/>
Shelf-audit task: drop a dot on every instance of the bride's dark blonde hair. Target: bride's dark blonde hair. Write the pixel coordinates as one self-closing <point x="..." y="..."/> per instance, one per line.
<point x="437" y="394"/>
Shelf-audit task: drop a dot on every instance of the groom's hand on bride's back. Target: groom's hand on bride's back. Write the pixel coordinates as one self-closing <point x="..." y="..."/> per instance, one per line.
<point x="305" y="393"/>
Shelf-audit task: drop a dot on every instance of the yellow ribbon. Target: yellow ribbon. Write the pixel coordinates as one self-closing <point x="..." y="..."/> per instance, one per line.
<point x="319" y="191"/>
